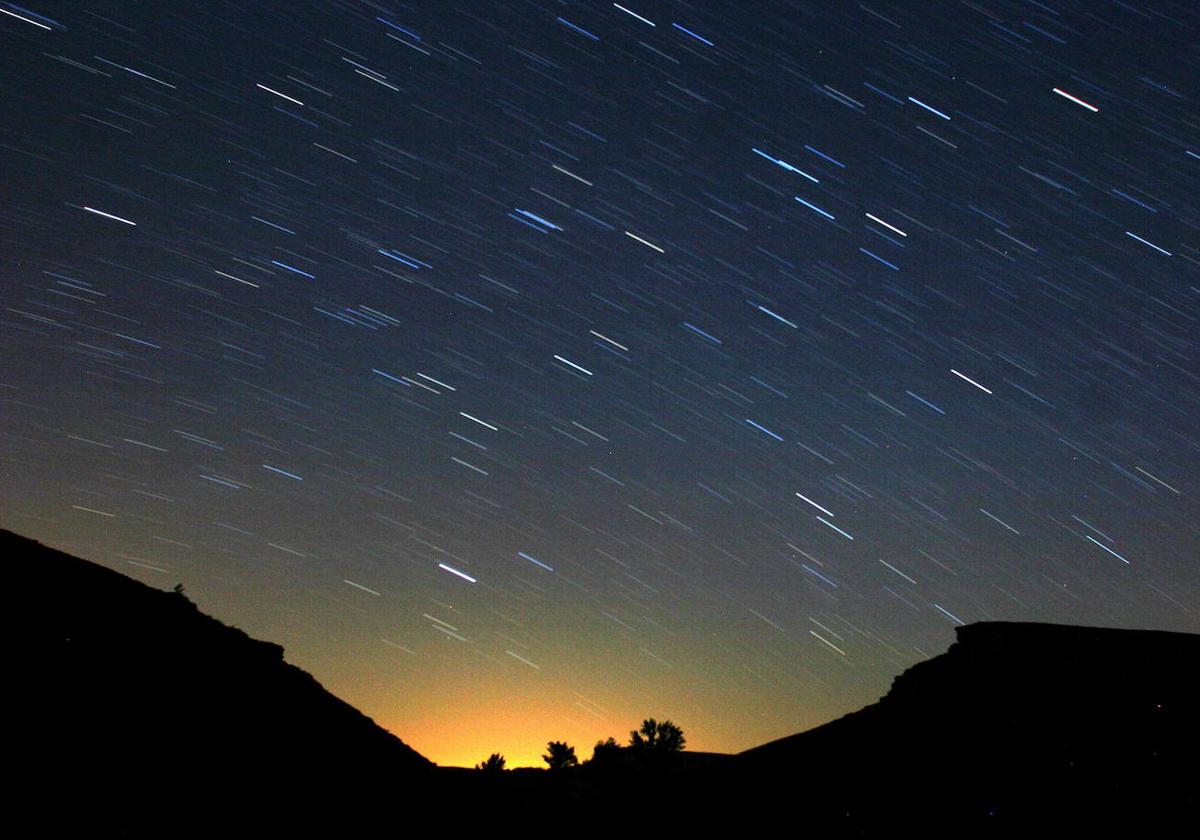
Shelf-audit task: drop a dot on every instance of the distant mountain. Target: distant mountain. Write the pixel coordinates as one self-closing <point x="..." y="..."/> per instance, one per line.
<point x="137" y="715"/>
<point x="1018" y="729"/>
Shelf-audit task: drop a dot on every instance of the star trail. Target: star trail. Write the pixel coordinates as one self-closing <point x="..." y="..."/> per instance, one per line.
<point x="528" y="368"/>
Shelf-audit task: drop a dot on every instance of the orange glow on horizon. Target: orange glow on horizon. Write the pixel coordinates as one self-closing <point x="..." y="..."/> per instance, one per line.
<point x="457" y="717"/>
<point x="468" y="736"/>
<point x="458" y="720"/>
<point x="518" y="732"/>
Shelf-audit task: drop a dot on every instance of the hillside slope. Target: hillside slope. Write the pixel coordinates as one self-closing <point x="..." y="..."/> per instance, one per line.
<point x="135" y="708"/>
<point x="1017" y="727"/>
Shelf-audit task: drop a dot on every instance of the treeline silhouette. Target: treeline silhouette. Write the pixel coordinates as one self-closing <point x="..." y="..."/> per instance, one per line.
<point x="616" y="778"/>
<point x="646" y="746"/>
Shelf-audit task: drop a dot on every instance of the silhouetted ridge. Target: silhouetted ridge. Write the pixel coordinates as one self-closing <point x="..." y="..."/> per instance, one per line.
<point x="133" y="701"/>
<point x="1015" y="726"/>
<point x="138" y="716"/>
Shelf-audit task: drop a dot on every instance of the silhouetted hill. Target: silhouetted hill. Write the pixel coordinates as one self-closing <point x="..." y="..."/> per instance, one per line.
<point x="1016" y="729"/>
<point x="138" y="715"/>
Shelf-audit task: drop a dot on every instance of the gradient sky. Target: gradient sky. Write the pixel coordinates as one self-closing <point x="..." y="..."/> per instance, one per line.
<point x="530" y="368"/>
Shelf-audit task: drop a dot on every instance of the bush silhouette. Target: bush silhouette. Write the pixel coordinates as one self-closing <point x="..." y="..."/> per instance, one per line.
<point x="605" y="751"/>
<point x="656" y="738"/>
<point x="494" y="763"/>
<point x="560" y="756"/>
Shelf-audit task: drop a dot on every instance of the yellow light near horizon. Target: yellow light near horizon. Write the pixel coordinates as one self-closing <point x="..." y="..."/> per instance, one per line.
<point x="465" y="737"/>
<point x="457" y="717"/>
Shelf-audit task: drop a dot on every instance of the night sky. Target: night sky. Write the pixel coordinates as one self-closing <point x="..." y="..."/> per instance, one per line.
<point x="529" y="368"/>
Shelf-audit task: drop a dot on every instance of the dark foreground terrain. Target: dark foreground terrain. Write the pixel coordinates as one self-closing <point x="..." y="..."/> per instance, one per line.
<point x="140" y="716"/>
<point x="136" y="715"/>
<point x="1017" y="730"/>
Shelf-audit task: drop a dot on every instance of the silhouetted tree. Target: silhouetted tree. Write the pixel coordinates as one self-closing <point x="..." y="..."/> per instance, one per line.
<point x="560" y="756"/>
<point x="178" y="593"/>
<point x="655" y="737"/>
<point x="605" y="751"/>
<point x="494" y="763"/>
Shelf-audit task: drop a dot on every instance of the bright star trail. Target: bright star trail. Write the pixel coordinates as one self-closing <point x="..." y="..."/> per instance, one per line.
<point x="528" y="368"/>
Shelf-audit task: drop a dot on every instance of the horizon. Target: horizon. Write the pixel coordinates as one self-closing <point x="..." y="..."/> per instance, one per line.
<point x="1036" y="718"/>
<point x="516" y="752"/>
<point x="529" y="369"/>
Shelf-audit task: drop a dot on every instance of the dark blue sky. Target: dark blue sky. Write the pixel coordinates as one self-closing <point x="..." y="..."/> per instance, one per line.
<point x="530" y="368"/>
